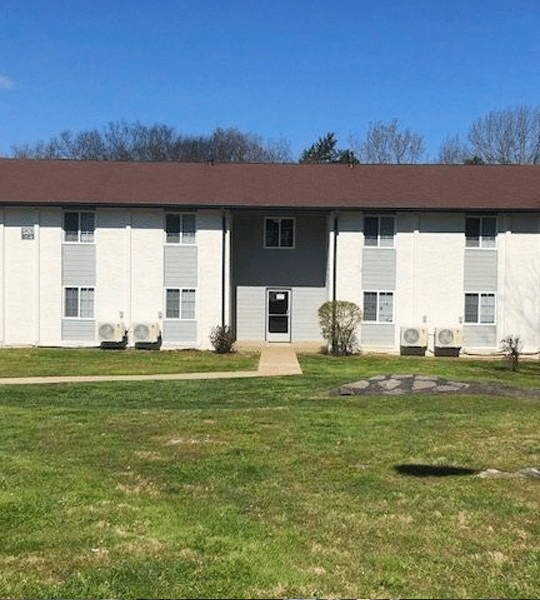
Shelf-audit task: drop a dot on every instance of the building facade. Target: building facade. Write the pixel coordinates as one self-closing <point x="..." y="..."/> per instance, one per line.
<point x="171" y="250"/>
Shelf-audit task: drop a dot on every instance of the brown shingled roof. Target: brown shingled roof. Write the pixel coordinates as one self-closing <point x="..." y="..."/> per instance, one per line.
<point x="406" y="187"/>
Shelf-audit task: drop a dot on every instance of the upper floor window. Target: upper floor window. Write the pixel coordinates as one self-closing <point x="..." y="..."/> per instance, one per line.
<point x="79" y="226"/>
<point x="379" y="231"/>
<point x="278" y="232"/>
<point x="180" y="228"/>
<point x="480" y="232"/>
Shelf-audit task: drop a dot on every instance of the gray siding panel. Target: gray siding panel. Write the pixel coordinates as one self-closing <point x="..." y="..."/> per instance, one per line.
<point x="180" y="266"/>
<point x="378" y="334"/>
<point x="79" y="264"/>
<point x="304" y="314"/>
<point x="251" y="313"/>
<point x="478" y="336"/>
<point x="303" y="265"/>
<point x="79" y="330"/>
<point x="179" y="331"/>
<point x="480" y="271"/>
<point x="379" y="269"/>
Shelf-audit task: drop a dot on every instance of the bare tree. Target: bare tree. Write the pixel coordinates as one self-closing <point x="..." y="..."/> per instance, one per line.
<point x="159" y="142"/>
<point x="452" y="151"/>
<point x="386" y="144"/>
<point x="509" y="136"/>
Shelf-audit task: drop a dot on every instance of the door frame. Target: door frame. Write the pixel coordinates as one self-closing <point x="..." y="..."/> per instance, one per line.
<point x="278" y="337"/>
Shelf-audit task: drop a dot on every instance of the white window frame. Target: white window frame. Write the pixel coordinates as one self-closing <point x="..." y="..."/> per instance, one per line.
<point x="279" y="246"/>
<point x="184" y="236"/>
<point x="378" y="309"/>
<point x="181" y="316"/>
<point x="79" y="231"/>
<point x="79" y="288"/>
<point x="479" y="320"/>
<point x="377" y="243"/>
<point x="484" y="242"/>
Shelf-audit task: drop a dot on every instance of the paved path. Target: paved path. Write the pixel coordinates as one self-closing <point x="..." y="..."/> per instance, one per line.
<point x="276" y="360"/>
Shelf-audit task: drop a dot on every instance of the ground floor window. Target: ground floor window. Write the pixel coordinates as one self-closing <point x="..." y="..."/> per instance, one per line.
<point x="79" y="302"/>
<point x="379" y="307"/>
<point x="479" y="308"/>
<point x="180" y="304"/>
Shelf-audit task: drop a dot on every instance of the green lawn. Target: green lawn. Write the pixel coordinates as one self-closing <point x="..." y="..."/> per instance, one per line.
<point x="34" y="362"/>
<point x="268" y="487"/>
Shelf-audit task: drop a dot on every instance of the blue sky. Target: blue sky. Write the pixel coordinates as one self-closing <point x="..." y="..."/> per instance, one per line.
<point x="292" y="69"/>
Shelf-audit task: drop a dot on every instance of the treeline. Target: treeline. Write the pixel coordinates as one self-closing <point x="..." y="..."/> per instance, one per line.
<point x="159" y="142"/>
<point x="510" y="136"/>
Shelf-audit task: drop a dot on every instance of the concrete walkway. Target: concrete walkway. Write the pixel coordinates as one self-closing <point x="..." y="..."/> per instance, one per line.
<point x="276" y="360"/>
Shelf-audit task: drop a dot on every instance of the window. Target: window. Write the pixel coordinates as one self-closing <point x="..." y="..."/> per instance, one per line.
<point x="79" y="227"/>
<point x="79" y="302"/>
<point x="379" y="231"/>
<point x="278" y="233"/>
<point x="480" y="232"/>
<point x="480" y="308"/>
<point x="379" y="307"/>
<point x="180" y="304"/>
<point x="180" y="229"/>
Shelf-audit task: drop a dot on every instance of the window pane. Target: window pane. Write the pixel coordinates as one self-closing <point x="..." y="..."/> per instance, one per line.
<point x="71" y="227"/>
<point x="188" y="229"/>
<point x="172" y="226"/>
<point x="71" y="308"/>
<point x="287" y="233"/>
<point x="272" y="233"/>
<point x="472" y="232"/>
<point x="487" y="308"/>
<point x="370" y="306"/>
<point x="471" y="308"/>
<point x="87" y="303"/>
<point x="387" y="231"/>
<point x="489" y="231"/>
<point x="371" y="231"/>
<point x="172" y="301"/>
<point x="87" y="227"/>
<point x="386" y="307"/>
<point x="188" y="304"/>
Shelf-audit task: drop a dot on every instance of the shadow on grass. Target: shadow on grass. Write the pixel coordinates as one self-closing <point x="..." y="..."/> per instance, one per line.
<point x="433" y="470"/>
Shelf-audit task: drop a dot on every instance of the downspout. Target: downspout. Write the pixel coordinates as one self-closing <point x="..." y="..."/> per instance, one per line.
<point x="223" y="264"/>
<point x="334" y="282"/>
<point x="38" y="277"/>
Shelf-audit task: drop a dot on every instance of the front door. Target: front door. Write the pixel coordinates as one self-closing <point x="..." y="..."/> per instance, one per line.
<point x="278" y="315"/>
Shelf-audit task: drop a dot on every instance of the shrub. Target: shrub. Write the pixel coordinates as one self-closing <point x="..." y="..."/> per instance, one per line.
<point x="338" y="320"/>
<point x="222" y="338"/>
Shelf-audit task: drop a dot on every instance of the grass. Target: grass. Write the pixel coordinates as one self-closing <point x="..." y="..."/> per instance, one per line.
<point x="268" y="487"/>
<point x="34" y="362"/>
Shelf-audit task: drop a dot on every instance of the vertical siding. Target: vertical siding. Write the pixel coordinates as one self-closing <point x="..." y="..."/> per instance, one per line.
<point x="480" y="271"/>
<point x="180" y="266"/>
<point x="79" y="264"/>
<point x="379" y="269"/>
<point x="251" y="313"/>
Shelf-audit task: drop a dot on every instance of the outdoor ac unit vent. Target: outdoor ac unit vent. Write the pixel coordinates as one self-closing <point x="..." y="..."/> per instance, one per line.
<point x="111" y="332"/>
<point x="414" y="337"/>
<point x="146" y="332"/>
<point x="448" y="338"/>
